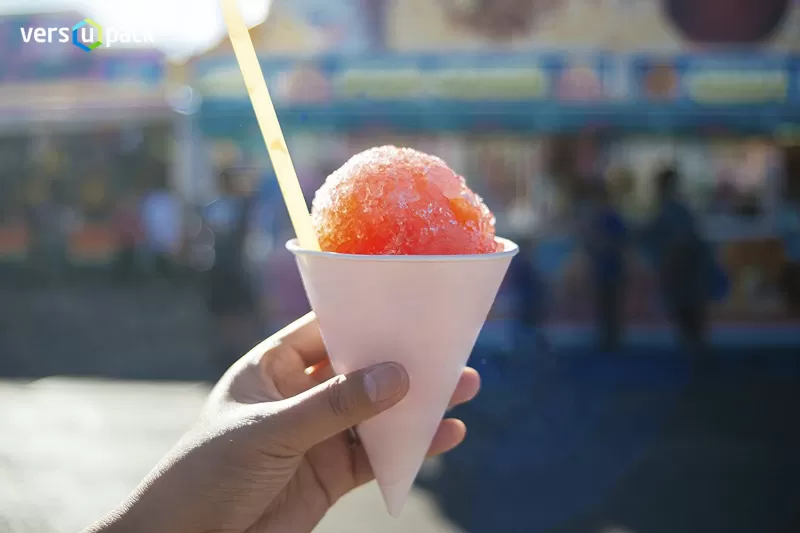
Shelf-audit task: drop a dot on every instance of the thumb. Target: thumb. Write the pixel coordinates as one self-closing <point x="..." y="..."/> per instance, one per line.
<point x="342" y="402"/>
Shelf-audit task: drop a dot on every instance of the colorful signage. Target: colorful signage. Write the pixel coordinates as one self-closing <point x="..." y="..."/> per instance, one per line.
<point x="470" y="78"/>
<point x="713" y="80"/>
<point x="544" y="92"/>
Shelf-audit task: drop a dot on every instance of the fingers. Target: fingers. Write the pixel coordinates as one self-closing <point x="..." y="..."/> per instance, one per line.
<point x="451" y="433"/>
<point x="467" y="388"/>
<point x="303" y="336"/>
<point x="341" y="403"/>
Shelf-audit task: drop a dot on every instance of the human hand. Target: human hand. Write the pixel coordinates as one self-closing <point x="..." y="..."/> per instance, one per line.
<point x="271" y="451"/>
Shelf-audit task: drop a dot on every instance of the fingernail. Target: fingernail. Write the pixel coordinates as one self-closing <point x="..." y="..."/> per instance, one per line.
<point x="383" y="382"/>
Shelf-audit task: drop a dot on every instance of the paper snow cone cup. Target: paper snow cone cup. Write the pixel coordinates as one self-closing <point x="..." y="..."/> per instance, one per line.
<point x="424" y="312"/>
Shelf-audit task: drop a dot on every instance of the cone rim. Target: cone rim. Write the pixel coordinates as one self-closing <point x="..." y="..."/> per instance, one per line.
<point x="510" y="249"/>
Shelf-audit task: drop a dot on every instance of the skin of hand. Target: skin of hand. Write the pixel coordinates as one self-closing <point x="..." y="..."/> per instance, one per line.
<point x="271" y="451"/>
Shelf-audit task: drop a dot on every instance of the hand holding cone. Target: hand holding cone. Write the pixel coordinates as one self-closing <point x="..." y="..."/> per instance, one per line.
<point x="423" y="312"/>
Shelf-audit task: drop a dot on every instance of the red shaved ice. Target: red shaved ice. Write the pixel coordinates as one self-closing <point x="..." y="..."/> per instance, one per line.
<point x="400" y="201"/>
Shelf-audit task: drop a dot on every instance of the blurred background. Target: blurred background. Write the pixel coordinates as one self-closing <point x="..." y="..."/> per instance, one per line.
<point x="641" y="365"/>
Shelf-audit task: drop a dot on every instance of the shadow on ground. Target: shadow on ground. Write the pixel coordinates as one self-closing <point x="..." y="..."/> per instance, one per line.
<point x="585" y="443"/>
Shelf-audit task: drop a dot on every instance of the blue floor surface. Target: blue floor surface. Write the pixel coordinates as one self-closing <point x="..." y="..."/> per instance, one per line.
<point x="564" y="441"/>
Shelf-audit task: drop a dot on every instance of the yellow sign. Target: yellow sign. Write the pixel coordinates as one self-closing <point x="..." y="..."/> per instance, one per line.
<point x="381" y="84"/>
<point x="452" y="84"/>
<point x="734" y="87"/>
<point x="495" y="84"/>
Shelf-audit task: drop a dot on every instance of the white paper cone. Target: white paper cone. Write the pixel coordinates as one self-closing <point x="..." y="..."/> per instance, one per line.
<point x="424" y="312"/>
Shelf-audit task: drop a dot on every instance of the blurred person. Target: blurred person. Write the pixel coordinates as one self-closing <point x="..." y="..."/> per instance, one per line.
<point x="49" y="223"/>
<point x="622" y="189"/>
<point x="95" y="198"/>
<point x="572" y="284"/>
<point x="271" y="202"/>
<point x="231" y="293"/>
<point x="500" y="190"/>
<point x="130" y="235"/>
<point x="582" y="199"/>
<point x="789" y="231"/>
<point x="529" y="299"/>
<point x="273" y="450"/>
<point x="682" y="260"/>
<point x="604" y="236"/>
<point x="162" y="220"/>
<point x="288" y="297"/>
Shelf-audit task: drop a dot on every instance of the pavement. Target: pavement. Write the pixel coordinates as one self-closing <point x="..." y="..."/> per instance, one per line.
<point x="571" y="441"/>
<point x="592" y="443"/>
<point x="100" y="381"/>
<point x="72" y="449"/>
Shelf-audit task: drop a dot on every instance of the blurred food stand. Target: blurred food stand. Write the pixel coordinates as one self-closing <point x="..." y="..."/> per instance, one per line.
<point x="528" y="99"/>
<point x="77" y="129"/>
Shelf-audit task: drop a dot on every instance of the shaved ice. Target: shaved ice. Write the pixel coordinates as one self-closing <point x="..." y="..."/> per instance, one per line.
<point x="400" y="201"/>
